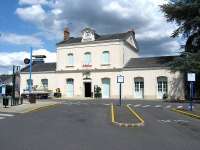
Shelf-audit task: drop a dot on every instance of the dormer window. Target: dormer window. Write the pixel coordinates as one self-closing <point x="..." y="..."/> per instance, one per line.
<point x="88" y="35"/>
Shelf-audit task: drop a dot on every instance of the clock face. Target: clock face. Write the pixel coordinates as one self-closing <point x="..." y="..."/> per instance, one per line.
<point x="87" y="35"/>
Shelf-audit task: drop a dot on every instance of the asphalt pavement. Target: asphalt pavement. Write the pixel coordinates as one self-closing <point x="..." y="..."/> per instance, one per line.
<point x="86" y="125"/>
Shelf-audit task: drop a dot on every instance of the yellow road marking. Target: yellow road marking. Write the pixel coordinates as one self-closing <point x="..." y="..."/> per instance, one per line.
<point x="186" y="113"/>
<point x="134" y="113"/>
<point x="122" y="124"/>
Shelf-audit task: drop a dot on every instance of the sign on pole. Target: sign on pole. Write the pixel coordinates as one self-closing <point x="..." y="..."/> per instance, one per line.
<point x="120" y="80"/>
<point x="191" y="77"/>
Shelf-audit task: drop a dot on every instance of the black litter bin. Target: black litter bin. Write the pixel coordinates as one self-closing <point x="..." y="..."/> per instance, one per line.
<point x="32" y="98"/>
<point x="5" y="101"/>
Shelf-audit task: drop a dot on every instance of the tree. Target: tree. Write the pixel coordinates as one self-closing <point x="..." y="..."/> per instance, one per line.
<point x="186" y="14"/>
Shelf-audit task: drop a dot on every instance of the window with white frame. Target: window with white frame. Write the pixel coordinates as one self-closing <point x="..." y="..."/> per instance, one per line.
<point x="70" y="59"/>
<point x="105" y="57"/>
<point x="87" y="58"/>
<point x="29" y="83"/>
<point x="162" y="84"/>
<point x="44" y="83"/>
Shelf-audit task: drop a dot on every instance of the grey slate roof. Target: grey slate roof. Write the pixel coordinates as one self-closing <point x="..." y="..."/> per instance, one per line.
<point x="40" y="67"/>
<point x="73" y="40"/>
<point x="145" y="62"/>
<point x="148" y="62"/>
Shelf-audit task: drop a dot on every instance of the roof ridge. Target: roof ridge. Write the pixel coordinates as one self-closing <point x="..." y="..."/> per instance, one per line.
<point x="100" y="37"/>
<point x="156" y="57"/>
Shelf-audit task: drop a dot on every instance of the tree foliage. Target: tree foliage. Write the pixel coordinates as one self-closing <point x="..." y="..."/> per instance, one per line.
<point x="186" y="14"/>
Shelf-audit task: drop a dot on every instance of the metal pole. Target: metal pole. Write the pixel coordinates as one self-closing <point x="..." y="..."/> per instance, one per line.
<point x="191" y="93"/>
<point x="120" y="94"/>
<point x="13" y="87"/>
<point x="30" y="72"/>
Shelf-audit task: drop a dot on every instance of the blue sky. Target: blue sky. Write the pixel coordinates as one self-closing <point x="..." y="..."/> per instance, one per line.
<point x="11" y="23"/>
<point x="40" y="24"/>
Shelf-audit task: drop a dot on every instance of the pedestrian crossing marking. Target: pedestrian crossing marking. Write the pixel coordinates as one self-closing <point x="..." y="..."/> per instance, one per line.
<point x="179" y="106"/>
<point x="145" y="106"/>
<point x="6" y="115"/>
<point x="168" y="106"/>
<point x="138" y="105"/>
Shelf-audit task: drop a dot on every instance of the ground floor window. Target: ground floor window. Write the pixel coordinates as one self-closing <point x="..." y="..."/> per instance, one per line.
<point x="105" y="88"/>
<point x="70" y="87"/>
<point x="44" y="83"/>
<point x="29" y="83"/>
<point x="139" y="87"/>
<point x="162" y="86"/>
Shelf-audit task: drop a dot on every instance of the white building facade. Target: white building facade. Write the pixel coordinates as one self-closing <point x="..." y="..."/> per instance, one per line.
<point x="93" y="60"/>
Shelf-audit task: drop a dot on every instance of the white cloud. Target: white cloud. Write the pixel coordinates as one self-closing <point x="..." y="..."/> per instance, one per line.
<point x="48" y="22"/>
<point x="17" y="58"/>
<point x="32" y="2"/>
<point x="34" y="13"/>
<point x="17" y="39"/>
<point x="112" y="16"/>
<point x="56" y="11"/>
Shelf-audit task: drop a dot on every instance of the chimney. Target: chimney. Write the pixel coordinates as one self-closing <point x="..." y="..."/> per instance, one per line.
<point x="132" y="30"/>
<point x="66" y="34"/>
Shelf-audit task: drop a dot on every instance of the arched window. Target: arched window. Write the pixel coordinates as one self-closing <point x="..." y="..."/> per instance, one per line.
<point x="105" y="87"/>
<point x="70" y="87"/>
<point x="162" y="86"/>
<point x="70" y="59"/>
<point x="105" y="57"/>
<point x="44" y="83"/>
<point x="87" y="58"/>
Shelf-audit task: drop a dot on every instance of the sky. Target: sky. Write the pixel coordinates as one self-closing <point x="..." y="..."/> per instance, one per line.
<point x="40" y="24"/>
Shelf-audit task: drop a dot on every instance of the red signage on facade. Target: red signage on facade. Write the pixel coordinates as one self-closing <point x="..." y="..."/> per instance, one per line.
<point x="85" y="65"/>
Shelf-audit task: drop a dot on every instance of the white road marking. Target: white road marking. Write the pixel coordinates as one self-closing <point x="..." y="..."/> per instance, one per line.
<point x="168" y="106"/>
<point x="180" y="106"/>
<point x="2" y="118"/>
<point x="171" y="121"/>
<point x="181" y="121"/>
<point x="7" y="115"/>
<point x="106" y="104"/>
<point x="157" y="106"/>
<point x="145" y="106"/>
<point x="138" y="105"/>
<point x="192" y="107"/>
<point x="165" y="121"/>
